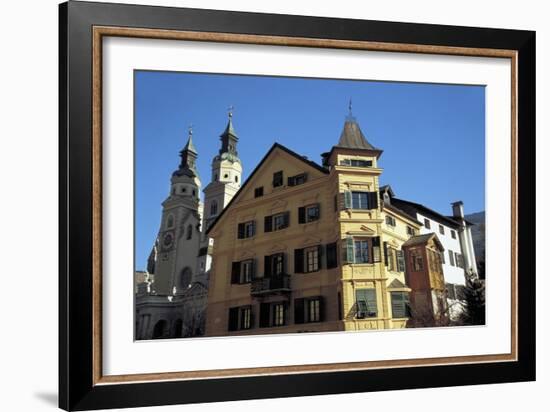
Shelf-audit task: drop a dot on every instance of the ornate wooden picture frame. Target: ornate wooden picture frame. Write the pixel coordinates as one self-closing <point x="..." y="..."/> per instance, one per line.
<point x="82" y="382"/>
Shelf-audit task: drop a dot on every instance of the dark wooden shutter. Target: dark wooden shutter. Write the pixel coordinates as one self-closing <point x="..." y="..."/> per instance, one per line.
<point x="254" y="266"/>
<point x="376" y="249"/>
<point x="299" y="311"/>
<point x="240" y="231"/>
<point x="283" y="256"/>
<point x="298" y="260"/>
<point x="386" y="253"/>
<point x="264" y="315"/>
<point x="373" y="200"/>
<point x="291" y="181"/>
<point x="235" y="272"/>
<point x="267" y="266"/>
<point x="301" y="215"/>
<point x="286" y="219"/>
<point x="233" y="323"/>
<point x="322" y="309"/>
<point x="268" y="223"/>
<point x="340" y="308"/>
<point x="320" y="256"/>
<point x="332" y="256"/>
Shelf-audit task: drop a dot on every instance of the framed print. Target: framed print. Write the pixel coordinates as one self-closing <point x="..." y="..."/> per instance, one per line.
<point x="259" y="205"/>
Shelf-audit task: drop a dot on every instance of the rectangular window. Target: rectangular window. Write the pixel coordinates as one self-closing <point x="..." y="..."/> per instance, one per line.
<point x="278" y="264"/>
<point x="451" y="292"/>
<point x="312" y="259"/>
<point x="451" y="258"/>
<point x="278" y="222"/>
<point x="309" y="213"/>
<point x="400" y="261"/>
<point x="314" y="310"/>
<point x="417" y="260"/>
<point x="240" y="318"/>
<point x="400" y="305"/>
<point x="297" y="180"/>
<point x="410" y="231"/>
<point x="259" y="191"/>
<point x="278" y="178"/>
<point x="246" y="229"/>
<point x="278" y="314"/>
<point x="427" y="224"/>
<point x="361" y="251"/>
<point x="441" y="229"/>
<point x="390" y="221"/>
<point x="453" y="234"/>
<point x="247" y="271"/>
<point x="360" y="200"/>
<point x="356" y="162"/>
<point x="366" y="303"/>
<point x="246" y="317"/>
<point x="458" y="260"/>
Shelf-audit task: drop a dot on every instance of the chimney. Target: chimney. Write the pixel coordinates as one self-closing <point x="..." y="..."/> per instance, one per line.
<point x="458" y="209"/>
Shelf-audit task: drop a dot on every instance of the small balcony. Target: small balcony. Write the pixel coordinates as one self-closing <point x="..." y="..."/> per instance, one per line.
<point x="270" y="285"/>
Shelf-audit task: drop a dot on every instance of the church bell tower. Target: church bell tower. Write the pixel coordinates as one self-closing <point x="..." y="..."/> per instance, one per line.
<point x="178" y="240"/>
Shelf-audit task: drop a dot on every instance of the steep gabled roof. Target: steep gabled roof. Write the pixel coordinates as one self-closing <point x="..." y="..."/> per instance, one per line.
<point x="422" y="239"/>
<point x="258" y="167"/>
<point x="412" y="208"/>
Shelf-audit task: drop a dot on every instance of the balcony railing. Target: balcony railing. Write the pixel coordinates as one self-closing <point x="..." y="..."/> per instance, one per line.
<point x="270" y="285"/>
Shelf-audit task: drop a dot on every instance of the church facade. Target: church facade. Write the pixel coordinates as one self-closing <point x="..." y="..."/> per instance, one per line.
<point x="171" y="297"/>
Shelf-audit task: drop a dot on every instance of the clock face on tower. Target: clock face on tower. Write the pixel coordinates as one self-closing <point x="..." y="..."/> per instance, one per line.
<point x="167" y="240"/>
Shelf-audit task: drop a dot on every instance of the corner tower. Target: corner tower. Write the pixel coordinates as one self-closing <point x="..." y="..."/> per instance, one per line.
<point x="226" y="175"/>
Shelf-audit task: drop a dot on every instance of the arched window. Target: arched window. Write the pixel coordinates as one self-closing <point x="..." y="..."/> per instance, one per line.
<point x="170" y="221"/>
<point x="236" y="179"/>
<point x="213" y="208"/>
<point x="194" y="192"/>
<point x="189" y="232"/>
<point x="159" y="329"/>
<point x="185" y="278"/>
<point x="183" y="190"/>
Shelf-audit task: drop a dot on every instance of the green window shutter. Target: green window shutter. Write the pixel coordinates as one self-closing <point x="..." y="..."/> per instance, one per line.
<point x="299" y="311"/>
<point x="235" y="272"/>
<point x="372" y="308"/>
<point x="350" y="255"/>
<point x="233" y="321"/>
<point x="400" y="261"/>
<point x="268" y="224"/>
<point x="347" y="199"/>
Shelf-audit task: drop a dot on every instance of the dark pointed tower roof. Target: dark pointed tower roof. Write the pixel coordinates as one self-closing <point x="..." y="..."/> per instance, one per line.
<point x="229" y="138"/>
<point x="352" y="137"/>
<point x="188" y="154"/>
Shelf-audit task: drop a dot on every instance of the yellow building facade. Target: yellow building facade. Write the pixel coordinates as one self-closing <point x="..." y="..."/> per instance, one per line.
<point x="304" y="247"/>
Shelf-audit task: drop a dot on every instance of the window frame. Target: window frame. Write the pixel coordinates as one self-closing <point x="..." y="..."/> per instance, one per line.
<point x="278" y="179"/>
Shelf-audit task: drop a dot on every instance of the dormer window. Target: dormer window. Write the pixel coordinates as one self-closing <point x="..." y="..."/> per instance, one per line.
<point x="278" y="178"/>
<point x="297" y="180"/>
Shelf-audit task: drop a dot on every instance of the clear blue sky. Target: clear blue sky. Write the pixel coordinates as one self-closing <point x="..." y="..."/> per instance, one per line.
<point x="433" y="136"/>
